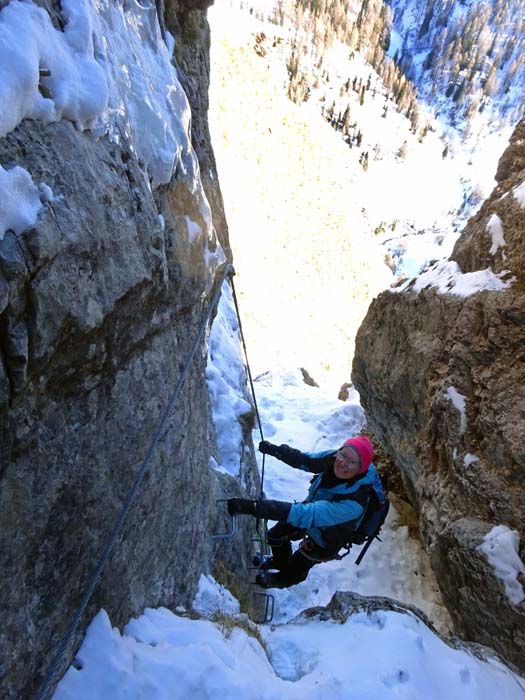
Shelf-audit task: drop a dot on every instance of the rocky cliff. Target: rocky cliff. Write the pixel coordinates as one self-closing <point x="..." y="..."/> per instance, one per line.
<point x="440" y="367"/>
<point x="109" y="253"/>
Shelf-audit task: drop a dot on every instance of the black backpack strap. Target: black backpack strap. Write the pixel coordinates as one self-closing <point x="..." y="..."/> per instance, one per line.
<point x="362" y="495"/>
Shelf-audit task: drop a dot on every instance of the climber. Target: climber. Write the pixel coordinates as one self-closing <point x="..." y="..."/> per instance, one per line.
<point x="345" y="487"/>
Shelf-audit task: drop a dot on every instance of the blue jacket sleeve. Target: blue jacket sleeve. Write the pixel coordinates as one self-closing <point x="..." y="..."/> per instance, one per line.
<point x="324" y="513"/>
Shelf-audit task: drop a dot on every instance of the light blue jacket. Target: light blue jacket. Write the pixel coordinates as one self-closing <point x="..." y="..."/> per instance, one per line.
<point x="343" y="502"/>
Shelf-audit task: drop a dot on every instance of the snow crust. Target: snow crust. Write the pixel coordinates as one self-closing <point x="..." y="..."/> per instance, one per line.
<point x="28" y="43"/>
<point x="212" y="598"/>
<point x="109" y="71"/>
<point x="163" y="656"/>
<point x="501" y="548"/>
<point x="519" y="194"/>
<point x="225" y="375"/>
<point x="19" y="200"/>
<point x="459" y="402"/>
<point x="447" y="278"/>
<point x="495" y="228"/>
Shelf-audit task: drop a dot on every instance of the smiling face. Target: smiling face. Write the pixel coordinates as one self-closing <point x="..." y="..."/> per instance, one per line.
<point x="347" y="463"/>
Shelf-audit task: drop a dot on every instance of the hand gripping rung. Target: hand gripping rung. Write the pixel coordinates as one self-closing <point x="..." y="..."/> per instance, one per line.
<point x="226" y="535"/>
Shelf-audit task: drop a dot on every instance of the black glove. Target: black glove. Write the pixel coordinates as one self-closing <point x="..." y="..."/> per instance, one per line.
<point x="288" y="455"/>
<point x="267" y="448"/>
<point x="241" y="506"/>
<point x="272" y="510"/>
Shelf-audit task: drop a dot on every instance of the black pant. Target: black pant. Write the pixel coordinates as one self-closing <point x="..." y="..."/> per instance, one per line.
<point x="292" y="568"/>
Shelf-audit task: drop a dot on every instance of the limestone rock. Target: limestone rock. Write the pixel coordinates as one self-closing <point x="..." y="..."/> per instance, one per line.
<point x="99" y="305"/>
<point x="441" y="379"/>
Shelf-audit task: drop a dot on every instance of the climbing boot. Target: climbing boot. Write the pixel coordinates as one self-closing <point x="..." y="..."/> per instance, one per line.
<point x="263" y="561"/>
<point x="267" y="580"/>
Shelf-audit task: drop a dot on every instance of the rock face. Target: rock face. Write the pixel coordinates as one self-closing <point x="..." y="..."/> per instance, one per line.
<point x="441" y="377"/>
<point x="99" y="305"/>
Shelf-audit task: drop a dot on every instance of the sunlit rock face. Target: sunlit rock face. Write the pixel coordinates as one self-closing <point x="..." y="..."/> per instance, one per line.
<point x="108" y="258"/>
<point x="440" y="374"/>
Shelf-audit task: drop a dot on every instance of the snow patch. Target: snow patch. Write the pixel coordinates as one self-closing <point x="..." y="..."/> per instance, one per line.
<point x="501" y="548"/>
<point x="162" y="656"/>
<point x="194" y="230"/>
<point x="519" y="194"/>
<point x="495" y="228"/>
<point x="459" y="402"/>
<point x="447" y="278"/>
<point x="213" y="598"/>
<point x="47" y="74"/>
<point x="109" y="71"/>
<point x="19" y="201"/>
<point x="46" y="193"/>
<point x="225" y="375"/>
<point x="469" y="459"/>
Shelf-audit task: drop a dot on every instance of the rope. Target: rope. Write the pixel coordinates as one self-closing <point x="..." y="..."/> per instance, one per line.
<point x="44" y="690"/>
<point x="250" y="378"/>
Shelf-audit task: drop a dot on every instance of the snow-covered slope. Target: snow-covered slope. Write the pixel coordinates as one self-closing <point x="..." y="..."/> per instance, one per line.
<point x="465" y="57"/>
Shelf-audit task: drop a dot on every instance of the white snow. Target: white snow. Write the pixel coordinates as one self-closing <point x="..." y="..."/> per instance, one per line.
<point x="459" y="403"/>
<point x="495" y="228"/>
<point x="225" y="375"/>
<point x="19" y="200"/>
<point x="212" y="597"/>
<point x="519" y="194"/>
<point x="501" y="548"/>
<point x="104" y="71"/>
<point x="147" y="106"/>
<point x="469" y="459"/>
<point x="166" y="656"/>
<point x="447" y="278"/>
<point x="194" y="230"/>
<point x="46" y="193"/>
<point x="29" y="42"/>
<point x="109" y="71"/>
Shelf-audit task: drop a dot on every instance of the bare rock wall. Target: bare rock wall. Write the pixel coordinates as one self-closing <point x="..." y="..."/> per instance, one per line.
<point x="99" y="305"/>
<point x="464" y="470"/>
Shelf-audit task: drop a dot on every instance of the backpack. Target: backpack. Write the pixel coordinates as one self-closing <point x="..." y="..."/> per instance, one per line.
<point x="376" y="506"/>
<point x="372" y="522"/>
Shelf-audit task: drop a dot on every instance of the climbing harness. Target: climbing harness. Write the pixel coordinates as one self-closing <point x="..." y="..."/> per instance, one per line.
<point x="308" y="548"/>
<point x="44" y="691"/>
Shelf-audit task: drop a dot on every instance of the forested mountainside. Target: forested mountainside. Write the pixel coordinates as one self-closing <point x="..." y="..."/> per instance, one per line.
<point x="469" y="52"/>
<point x="461" y="57"/>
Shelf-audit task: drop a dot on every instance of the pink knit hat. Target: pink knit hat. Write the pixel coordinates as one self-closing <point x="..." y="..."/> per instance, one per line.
<point x="364" y="449"/>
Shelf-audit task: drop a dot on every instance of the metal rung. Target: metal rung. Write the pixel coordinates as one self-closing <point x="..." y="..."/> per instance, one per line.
<point x="268" y="608"/>
<point x="226" y="535"/>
